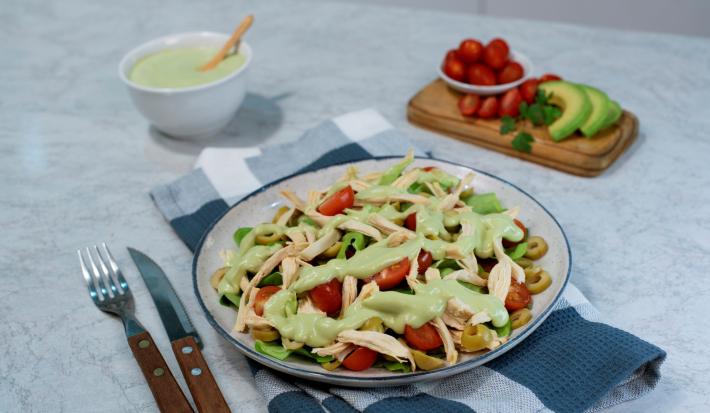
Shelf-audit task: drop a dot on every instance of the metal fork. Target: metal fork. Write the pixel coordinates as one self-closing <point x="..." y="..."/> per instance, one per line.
<point x="110" y="293"/>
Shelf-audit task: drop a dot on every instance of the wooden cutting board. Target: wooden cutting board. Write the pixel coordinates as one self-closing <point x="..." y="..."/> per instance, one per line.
<point x="435" y="108"/>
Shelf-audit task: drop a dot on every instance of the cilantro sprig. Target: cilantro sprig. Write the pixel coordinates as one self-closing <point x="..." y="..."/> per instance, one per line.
<point x="539" y="113"/>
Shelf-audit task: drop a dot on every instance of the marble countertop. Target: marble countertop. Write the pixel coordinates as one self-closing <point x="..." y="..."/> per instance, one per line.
<point x="77" y="161"/>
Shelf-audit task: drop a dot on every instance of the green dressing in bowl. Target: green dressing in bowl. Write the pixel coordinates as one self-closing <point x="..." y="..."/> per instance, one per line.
<point x="178" y="68"/>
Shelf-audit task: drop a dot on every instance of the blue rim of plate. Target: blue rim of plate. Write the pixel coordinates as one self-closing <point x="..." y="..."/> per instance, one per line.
<point x="395" y="378"/>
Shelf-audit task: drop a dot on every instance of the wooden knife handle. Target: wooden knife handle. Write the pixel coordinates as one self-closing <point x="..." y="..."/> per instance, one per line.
<point x="161" y="381"/>
<point x="198" y="376"/>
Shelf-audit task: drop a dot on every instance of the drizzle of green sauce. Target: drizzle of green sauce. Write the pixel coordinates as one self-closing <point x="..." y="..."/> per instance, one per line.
<point x="395" y="309"/>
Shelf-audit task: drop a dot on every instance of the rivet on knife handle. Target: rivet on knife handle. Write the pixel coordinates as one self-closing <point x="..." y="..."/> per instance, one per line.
<point x="204" y="388"/>
<point x="166" y="391"/>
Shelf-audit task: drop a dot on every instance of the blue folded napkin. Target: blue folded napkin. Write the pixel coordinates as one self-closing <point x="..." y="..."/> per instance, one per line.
<point x="571" y="363"/>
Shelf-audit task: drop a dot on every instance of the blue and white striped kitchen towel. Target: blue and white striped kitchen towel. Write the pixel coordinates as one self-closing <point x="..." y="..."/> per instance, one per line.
<point x="571" y="363"/>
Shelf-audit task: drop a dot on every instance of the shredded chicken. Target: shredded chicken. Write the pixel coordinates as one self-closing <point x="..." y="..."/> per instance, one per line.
<point x="349" y="292"/>
<point x="449" y="347"/>
<point x="296" y="236"/>
<point x="339" y="350"/>
<point x="289" y="271"/>
<point x="499" y="280"/>
<point x="398" y="238"/>
<point x="406" y="180"/>
<point x="306" y="306"/>
<point x="357" y="226"/>
<point x="314" y="198"/>
<point x="317" y="217"/>
<point x="412" y="280"/>
<point x="366" y="291"/>
<point x="254" y="321"/>
<point x="350" y="174"/>
<point x="517" y="272"/>
<point x="458" y="313"/>
<point x="452" y="199"/>
<point x="359" y="185"/>
<point x="317" y="248"/>
<point x="290" y="344"/>
<point x="479" y="318"/>
<point x="432" y="274"/>
<point x="435" y="189"/>
<point x="245" y="307"/>
<point x="380" y="342"/>
<point x="310" y="234"/>
<point x="386" y="226"/>
<point x="285" y="217"/>
<point x="295" y="200"/>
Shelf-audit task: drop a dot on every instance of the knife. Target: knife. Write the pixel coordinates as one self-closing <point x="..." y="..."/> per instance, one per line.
<point x="183" y="337"/>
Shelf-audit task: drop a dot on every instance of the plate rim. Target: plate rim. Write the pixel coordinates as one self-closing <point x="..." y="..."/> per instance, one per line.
<point x="395" y="378"/>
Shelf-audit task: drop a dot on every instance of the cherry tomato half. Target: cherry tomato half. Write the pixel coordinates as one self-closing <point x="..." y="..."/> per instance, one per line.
<point x="328" y="297"/>
<point x="339" y="201"/>
<point x="468" y="104"/>
<point x="424" y="261"/>
<point x="489" y="108"/>
<point x="548" y="77"/>
<point x="510" y="73"/>
<point x="262" y="296"/>
<point x="470" y="51"/>
<point x="391" y="276"/>
<point x="454" y="69"/>
<point x="411" y="221"/>
<point x="528" y="90"/>
<point x="428" y="168"/>
<point x="518" y="296"/>
<point x="479" y="74"/>
<point x="361" y="359"/>
<point x="510" y="103"/>
<point x="510" y="244"/>
<point x="424" y="338"/>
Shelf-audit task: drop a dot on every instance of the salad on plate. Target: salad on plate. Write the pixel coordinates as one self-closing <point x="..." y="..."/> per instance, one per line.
<point x="401" y="269"/>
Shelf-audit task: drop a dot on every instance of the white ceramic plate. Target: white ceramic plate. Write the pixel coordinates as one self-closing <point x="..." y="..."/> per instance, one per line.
<point x="260" y="206"/>
<point x="491" y="90"/>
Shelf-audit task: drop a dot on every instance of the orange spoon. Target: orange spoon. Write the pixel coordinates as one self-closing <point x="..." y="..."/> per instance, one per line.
<point x="238" y="32"/>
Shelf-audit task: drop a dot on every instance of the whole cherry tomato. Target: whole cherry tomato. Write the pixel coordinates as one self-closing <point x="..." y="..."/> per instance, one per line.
<point x="468" y="104"/>
<point x="424" y="338"/>
<point x="455" y="69"/>
<point x="339" y="201"/>
<point x="479" y="74"/>
<point x="500" y="43"/>
<point x="328" y="297"/>
<point x="451" y="54"/>
<point x="495" y="56"/>
<point x="470" y="51"/>
<point x="528" y="90"/>
<point x="510" y="73"/>
<point x="489" y="108"/>
<point x="510" y="103"/>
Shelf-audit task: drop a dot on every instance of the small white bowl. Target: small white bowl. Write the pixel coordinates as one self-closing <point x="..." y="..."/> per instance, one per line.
<point x="491" y="90"/>
<point x="192" y="112"/>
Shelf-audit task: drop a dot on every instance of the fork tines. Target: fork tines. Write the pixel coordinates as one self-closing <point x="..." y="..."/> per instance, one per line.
<point x="103" y="281"/>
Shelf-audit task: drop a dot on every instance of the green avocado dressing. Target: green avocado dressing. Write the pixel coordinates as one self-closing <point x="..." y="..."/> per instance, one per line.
<point x="178" y="68"/>
<point x="395" y="309"/>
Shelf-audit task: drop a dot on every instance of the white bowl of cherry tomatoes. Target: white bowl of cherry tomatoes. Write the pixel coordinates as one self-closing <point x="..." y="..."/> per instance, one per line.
<point x="484" y="70"/>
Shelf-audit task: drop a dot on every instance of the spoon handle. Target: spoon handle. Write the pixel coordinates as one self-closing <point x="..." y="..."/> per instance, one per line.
<point x="238" y="32"/>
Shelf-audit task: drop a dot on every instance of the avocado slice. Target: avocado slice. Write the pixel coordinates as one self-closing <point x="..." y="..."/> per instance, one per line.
<point x="600" y="107"/>
<point x="612" y="115"/>
<point x="575" y="106"/>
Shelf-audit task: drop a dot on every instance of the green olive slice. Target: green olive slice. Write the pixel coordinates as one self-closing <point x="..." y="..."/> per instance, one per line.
<point x="331" y="365"/>
<point x="267" y="239"/>
<point x="524" y="262"/>
<point x="265" y="334"/>
<point x="425" y="361"/>
<point x="537" y="248"/>
<point x="475" y="338"/>
<point x="520" y="317"/>
<point x="279" y="213"/>
<point x="373" y="324"/>
<point x="537" y="280"/>
<point x="332" y="251"/>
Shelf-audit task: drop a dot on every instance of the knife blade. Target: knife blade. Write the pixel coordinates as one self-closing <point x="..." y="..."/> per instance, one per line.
<point x="172" y="313"/>
<point x="184" y="340"/>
